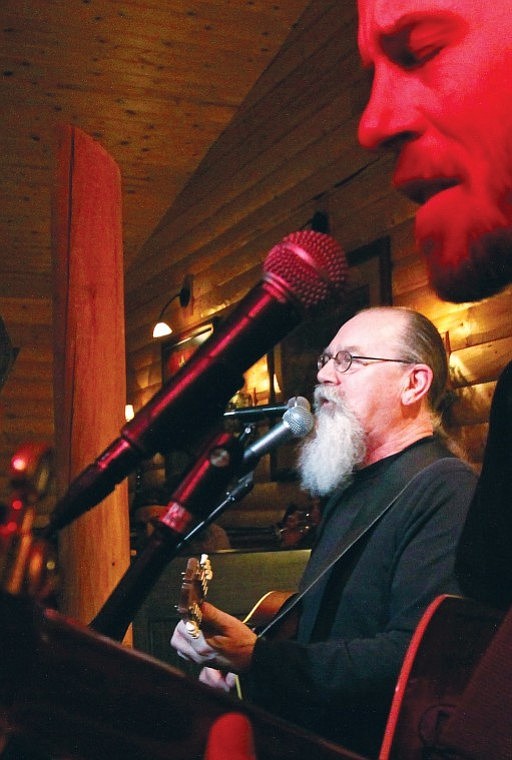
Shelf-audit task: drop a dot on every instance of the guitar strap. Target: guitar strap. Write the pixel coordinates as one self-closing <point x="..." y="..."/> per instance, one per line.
<point x="361" y="529"/>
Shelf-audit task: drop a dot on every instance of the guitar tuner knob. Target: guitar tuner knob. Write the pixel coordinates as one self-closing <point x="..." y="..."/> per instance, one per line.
<point x="192" y="630"/>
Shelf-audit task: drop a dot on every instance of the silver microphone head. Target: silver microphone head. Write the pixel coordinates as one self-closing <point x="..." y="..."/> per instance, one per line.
<point x="299" y="420"/>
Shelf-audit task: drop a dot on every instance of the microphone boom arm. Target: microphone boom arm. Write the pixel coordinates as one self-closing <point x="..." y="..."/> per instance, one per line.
<point x="189" y="513"/>
<point x="188" y="510"/>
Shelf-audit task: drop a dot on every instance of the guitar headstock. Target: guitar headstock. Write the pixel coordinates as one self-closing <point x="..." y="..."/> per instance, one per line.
<point x="194" y="589"/>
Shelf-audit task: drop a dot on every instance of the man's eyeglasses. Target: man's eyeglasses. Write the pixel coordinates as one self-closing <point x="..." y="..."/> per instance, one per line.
<point x="343" y="360"/>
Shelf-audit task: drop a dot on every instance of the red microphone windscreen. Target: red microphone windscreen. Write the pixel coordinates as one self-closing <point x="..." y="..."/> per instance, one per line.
<point x="310" y="265"/>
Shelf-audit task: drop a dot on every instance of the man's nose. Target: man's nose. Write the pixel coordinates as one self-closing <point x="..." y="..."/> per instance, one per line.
<point x="391" y="116"/>
<point x="327" y="373"/>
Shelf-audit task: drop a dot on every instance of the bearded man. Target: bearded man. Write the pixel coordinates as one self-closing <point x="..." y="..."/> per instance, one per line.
<point x="375" y="449"/>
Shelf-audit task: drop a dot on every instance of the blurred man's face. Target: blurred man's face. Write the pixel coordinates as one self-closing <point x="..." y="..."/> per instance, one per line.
<point x="442" y="99"/>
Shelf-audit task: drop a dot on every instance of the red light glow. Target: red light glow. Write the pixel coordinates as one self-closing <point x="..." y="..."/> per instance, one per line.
<point x="9" y="528"/>
<point x="18" y="463"/>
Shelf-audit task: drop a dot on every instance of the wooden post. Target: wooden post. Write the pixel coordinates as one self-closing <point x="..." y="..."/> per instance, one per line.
<point x="90" y="364"/>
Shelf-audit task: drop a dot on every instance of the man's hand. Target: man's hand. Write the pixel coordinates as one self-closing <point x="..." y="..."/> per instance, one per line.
<point x="224" y="642"/>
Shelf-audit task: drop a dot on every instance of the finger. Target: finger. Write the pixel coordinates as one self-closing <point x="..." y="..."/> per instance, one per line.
<point x="214" y="678"/>
<point x="179" y="638"/>
<point x="230" y="680"/>
<point x="191" y="648"/>
<point x="216" y="623"/>
<point x="182" y="639"/>
<point x="215" y="619"/>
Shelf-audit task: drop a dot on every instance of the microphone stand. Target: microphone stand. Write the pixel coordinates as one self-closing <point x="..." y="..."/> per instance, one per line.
<point x="242" y="487"/>
<point x="239" y="491"/>
<point x="185" y="518"/>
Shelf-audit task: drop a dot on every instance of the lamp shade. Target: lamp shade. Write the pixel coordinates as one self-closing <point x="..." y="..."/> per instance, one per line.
<point x="161" y="329"/>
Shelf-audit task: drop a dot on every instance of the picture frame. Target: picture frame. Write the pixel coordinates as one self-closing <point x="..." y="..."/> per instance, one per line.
<point x="178" y="349"/>
<point x="175" y="352"/>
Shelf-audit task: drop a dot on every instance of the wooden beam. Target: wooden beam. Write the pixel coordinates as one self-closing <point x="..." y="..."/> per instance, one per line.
<point x="90" y="384"/>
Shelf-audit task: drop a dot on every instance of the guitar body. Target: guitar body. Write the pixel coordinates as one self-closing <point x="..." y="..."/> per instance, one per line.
<point x="267" y="609"/>
<point x="447" y="645"/>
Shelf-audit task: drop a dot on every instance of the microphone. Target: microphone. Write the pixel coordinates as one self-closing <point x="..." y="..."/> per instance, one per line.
<point x="301" y="272"/>
<point x="262" y="412"/>
<point x="296" y="423"/>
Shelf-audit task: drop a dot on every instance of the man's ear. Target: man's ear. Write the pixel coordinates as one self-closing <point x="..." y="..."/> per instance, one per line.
<point x="419" y="380"/>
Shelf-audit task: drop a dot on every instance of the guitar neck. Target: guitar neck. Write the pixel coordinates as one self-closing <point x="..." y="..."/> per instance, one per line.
<point x="194" y="589"/>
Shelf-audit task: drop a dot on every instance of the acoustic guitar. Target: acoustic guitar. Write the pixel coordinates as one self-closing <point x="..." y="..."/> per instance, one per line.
<point x="449" y="641"/>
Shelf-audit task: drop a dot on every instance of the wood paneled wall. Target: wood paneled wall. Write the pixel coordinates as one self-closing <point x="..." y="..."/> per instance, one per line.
<point x="291" y="151"/>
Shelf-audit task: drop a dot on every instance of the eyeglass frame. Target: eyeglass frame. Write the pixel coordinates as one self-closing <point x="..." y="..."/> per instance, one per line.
<point x="324" y="358"/>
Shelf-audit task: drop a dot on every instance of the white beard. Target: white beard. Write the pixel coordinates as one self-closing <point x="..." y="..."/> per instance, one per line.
<point x="329" y="456"/>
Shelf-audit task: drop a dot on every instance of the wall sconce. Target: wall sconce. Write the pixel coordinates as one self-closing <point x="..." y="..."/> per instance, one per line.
<point x="161" y="328"/>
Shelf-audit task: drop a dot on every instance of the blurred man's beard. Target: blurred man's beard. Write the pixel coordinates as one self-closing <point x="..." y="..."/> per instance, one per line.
<point x="483" y="270"/>
<point x="337" y="446"/>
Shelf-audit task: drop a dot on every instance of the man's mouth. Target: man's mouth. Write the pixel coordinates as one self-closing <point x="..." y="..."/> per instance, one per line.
<point x="326" y="400"/>
<point x="422" y="190"/>
<point x="321" y="396"/>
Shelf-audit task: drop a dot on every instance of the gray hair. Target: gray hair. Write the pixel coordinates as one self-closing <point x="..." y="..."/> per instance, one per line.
<point x="420" y="343"/>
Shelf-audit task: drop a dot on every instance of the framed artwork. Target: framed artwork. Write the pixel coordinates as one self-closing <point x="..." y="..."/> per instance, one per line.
<point x="178" y="349"/>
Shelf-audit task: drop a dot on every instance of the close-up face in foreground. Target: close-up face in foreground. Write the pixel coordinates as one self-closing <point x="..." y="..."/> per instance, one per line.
<point x="441" y="99"/>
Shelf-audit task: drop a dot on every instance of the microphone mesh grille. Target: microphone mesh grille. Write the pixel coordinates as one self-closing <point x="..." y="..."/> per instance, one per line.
<point x="311" y="265"/>
<point x="299" y="420"/>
